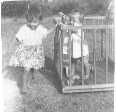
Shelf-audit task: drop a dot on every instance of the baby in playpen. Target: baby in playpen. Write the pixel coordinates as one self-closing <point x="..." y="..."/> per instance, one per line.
<point x="76" y="55"/>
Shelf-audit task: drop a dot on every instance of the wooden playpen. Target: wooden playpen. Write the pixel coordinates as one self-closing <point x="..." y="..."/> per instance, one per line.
<point x="99" y="34"/>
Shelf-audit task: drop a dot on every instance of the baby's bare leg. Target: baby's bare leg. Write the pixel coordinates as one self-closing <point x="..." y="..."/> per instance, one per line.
<point x="86" y="66"/>
<point x="73" y="69"/>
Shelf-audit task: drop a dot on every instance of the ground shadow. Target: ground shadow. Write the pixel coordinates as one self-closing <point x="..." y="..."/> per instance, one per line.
<point x="15" y="74"/>
<point x="51" y="74"/>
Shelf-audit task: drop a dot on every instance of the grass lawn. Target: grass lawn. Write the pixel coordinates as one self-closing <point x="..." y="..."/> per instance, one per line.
<point x="44" y="94"/>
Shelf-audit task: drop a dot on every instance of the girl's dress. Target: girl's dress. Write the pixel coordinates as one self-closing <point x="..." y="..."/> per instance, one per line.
<point x="29" y="53"/>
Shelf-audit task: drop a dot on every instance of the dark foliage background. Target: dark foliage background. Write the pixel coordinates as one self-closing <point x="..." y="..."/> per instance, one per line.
<point x="19" y="8"/>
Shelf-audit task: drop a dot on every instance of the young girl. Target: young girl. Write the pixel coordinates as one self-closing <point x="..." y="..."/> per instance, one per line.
<point x="30" y="52"/>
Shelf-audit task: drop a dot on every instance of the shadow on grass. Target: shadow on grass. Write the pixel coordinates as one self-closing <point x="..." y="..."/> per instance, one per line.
<point x="16" y="74"/>
<point x="51" y="74"/>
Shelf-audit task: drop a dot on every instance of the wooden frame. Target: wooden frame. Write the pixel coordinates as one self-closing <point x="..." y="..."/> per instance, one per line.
<point x="89" y="88"/>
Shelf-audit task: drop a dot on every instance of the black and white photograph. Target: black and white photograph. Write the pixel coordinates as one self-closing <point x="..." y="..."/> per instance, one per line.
<point x="58" y="55"/>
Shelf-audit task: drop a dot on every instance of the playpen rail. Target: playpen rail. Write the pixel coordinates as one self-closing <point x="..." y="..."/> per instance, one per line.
<point x="75" y="28"/>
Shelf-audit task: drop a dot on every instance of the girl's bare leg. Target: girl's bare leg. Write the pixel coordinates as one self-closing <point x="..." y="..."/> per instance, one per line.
<point x="25" y="79"/>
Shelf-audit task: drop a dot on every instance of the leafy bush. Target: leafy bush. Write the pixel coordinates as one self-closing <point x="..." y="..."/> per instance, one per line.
<point x="12" y="9"/>
<point x="18" y="9"/>
<point x="66" y="7"/>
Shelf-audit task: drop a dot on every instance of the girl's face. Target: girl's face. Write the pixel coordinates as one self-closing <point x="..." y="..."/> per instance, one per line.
<point x="33" y="25"/>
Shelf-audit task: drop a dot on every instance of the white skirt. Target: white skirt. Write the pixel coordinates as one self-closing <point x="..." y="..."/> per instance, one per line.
<point x="28" y="57"/>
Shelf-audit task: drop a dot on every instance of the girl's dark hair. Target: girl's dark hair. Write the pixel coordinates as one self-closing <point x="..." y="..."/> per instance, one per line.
<point x="40" y="17"/>
<point x="29" y="17"/>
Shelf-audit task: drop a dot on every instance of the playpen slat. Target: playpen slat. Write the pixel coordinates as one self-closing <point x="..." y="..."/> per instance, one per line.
<point x="61" y="37"/>
<point x="95" y="56"/>
<point x="107" y="51"/>
<point x="82" y="70"/>
<point x="70" y="52"/>
<point x="55" y="43"/>
<point x="113" y="44"/>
